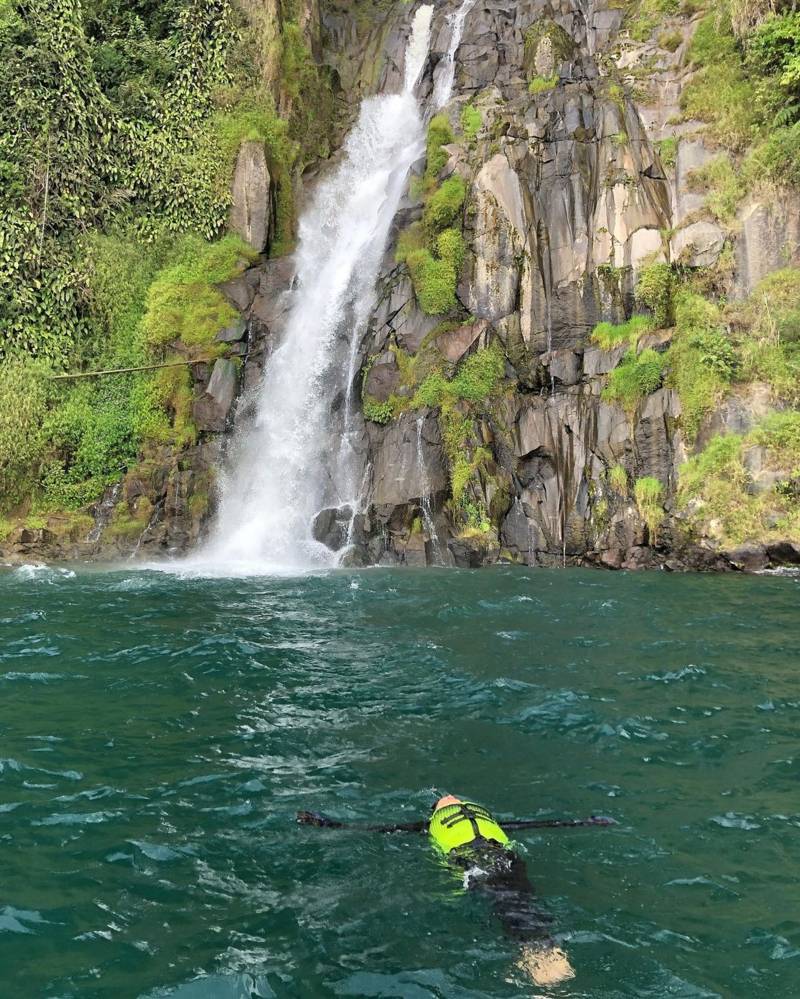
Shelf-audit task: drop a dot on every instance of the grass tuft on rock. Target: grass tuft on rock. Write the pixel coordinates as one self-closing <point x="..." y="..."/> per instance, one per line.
<point x="735" y="505"/>
<point x="610" y="335"/>
<point x="649" y="495"/>
<point x="618" y="479"/>
<point x="443" y="206"/>
<point x="440" y="134"/>
<point x="541" y="84"/>
<point x="654" y="290"/>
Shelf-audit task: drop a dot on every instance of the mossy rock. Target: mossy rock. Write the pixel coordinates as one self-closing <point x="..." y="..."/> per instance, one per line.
<point x="547" y="45"/>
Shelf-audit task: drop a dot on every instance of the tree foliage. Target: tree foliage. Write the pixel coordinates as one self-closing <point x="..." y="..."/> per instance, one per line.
<point x="119" y="127"/>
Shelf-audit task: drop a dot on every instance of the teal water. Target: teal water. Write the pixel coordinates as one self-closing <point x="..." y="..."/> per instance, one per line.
<point x="157" y="736"/>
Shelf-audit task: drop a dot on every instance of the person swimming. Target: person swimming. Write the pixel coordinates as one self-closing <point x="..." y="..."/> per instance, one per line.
<point x="472" y="841"/>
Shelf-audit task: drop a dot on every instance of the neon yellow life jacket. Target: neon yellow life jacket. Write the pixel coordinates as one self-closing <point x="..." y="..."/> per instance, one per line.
<point x="459" y="824"/>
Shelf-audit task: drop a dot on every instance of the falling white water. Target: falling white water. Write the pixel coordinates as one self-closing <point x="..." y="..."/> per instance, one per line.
<point x="446" y="74"/>
<point x="300" y="455"/>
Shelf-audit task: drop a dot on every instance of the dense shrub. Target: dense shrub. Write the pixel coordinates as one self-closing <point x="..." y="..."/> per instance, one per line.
<point x="182" y="302"/>
<point x="702" y="359"/>
<point x="716" y="485"/>
<point x="119" y="129"/>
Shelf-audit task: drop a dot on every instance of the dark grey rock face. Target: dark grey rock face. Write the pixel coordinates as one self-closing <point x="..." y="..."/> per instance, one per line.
<point x="567" y="202"/>
<point x="212" y="409"/>
<point x="251" y="208"/>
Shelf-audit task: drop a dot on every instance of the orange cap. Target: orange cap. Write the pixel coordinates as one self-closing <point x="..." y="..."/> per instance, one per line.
<point x="448" y="799"/>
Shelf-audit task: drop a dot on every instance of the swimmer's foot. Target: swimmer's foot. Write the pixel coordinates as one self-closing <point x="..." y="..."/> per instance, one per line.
<point x="546" y="965"/>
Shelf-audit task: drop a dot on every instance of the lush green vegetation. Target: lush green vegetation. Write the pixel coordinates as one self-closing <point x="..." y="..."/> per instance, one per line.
<point x="747" y="87"/>
<point x="654" y="290"/>
<point x="183" y="303"/>
<point x="736" y="503"/>
<point x="724" y="188"/>
<point x="644" y="17"/>
<point x="443" y="205"/>
<point x="618" y="479"/>
<point x="119" y="129"/>
<point x="459" y="397"/>
<point x="668" y="151"/>
<point x="702" y="359"/>
<point x="433" y="250"/>
<point x="440" y="134"/>
<point x="766" y="334"/>
<point x="541" y="84"/>
<point x="716" y="349"/>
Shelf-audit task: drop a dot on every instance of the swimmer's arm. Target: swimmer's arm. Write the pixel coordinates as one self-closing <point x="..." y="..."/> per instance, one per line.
<point x="593" y="820"/>
<point x="323" y="822"/>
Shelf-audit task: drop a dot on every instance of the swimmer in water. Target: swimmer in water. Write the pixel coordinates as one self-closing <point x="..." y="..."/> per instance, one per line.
<point x="475" y="843"/>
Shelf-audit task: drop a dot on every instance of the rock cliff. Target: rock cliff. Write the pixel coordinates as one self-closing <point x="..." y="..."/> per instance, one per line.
<point x="578" y="168"/>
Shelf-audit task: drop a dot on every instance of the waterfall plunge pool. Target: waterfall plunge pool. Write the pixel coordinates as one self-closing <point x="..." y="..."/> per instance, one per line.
<point x="159" y="734"/>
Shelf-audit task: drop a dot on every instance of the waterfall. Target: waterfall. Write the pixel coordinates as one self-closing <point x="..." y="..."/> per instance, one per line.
<point x="301" y="453"/>
<point x="443" y="86"/>
<point x="305" y="449"/>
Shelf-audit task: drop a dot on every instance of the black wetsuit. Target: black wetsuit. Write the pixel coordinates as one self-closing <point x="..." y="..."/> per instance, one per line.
<point x="501" y="874"/>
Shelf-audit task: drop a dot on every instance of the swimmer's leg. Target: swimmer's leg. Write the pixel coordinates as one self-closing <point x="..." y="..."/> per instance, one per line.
<point x="545" y="963"/>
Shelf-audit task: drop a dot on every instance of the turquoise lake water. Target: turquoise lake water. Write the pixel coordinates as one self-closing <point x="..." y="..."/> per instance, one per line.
<point x="158" y="734"/>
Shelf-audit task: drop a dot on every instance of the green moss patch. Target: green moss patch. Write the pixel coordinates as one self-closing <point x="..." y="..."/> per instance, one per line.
<point x="433" y="250"/>
<point x="541" y="84"/>
<point x="618" y="479"/>
<point x="182" y="302"/>
<point x="654" y="290"/>
<point x="724" y="188"/>
<point x="444" y="205"/>
<point x="471" y="121"/>
<point x="703" y="360"/>
<point x="440" y="134"/>
<point x="635" y="377"/>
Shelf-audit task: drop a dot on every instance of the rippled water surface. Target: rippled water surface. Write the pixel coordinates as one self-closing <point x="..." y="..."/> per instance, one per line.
<point x="158" y="734"/>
